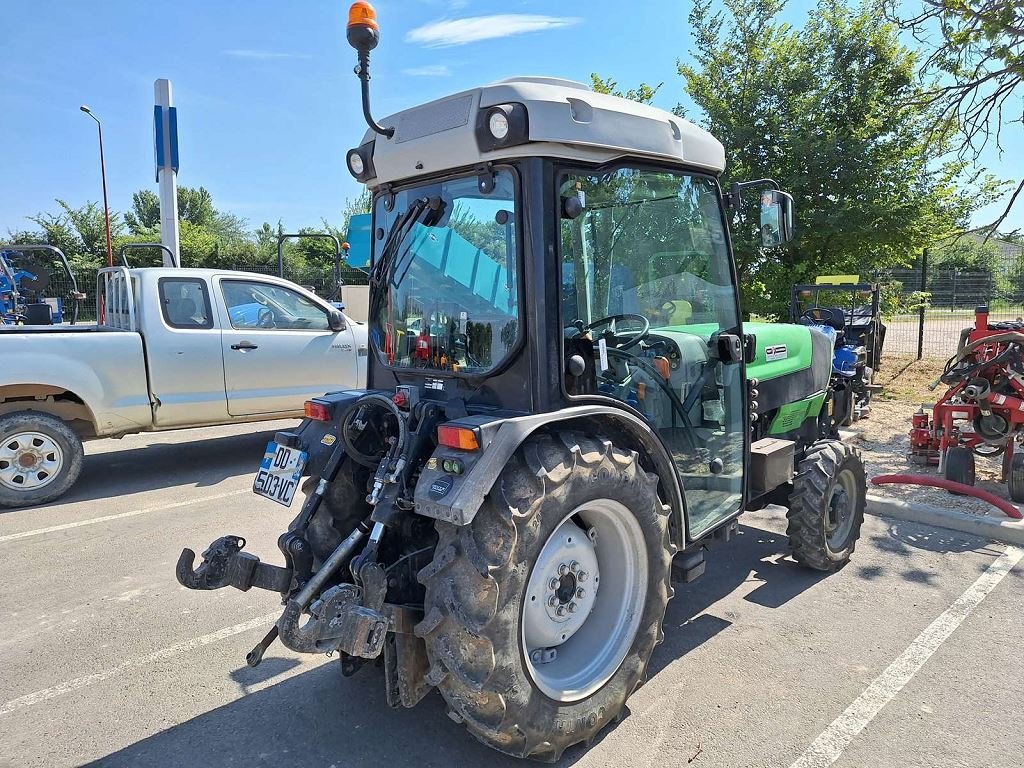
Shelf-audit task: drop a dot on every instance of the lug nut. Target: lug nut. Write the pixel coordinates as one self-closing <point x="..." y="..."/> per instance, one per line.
<point x="582" y="576"/>
<point x="581" y="593"/>
<point x="574" y="566"/>
<point x="552" y="601"/>
<point x="553" y="584"/>
<point x="563" y="569"/>
<point x="573" y="607"/>
<point x="560" y="610"/>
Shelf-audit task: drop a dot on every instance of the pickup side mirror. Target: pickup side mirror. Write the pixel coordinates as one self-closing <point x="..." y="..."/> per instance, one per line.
<point x="335" y="320"/>
<point x="776" y="217"/>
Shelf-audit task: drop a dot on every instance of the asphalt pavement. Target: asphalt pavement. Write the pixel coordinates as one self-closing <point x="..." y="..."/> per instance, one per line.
<point x="907" y="657"/>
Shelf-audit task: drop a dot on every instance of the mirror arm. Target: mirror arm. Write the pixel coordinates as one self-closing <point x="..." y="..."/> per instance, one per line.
<point x="734" y="197"/>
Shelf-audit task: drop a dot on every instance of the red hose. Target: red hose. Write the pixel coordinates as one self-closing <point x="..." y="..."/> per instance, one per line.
<point x="1003" y="505"/>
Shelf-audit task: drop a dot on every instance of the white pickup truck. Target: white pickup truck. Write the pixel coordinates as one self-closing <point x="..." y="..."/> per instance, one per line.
<point x="173" y="349"/>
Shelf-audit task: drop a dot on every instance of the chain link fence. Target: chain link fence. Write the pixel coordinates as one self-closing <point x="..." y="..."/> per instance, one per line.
<point x="925" y="309"/>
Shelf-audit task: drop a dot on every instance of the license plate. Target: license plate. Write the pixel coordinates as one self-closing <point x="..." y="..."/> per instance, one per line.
<point x="279" y="473"/>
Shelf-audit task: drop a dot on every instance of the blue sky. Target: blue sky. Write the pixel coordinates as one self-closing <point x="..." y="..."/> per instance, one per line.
<point x="266" y="97"/>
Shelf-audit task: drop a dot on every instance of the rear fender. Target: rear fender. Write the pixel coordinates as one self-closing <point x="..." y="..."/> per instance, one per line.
<point x="456" y="498"/>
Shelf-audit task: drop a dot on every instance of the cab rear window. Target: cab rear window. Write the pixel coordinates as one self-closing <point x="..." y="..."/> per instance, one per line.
<point x="185" y="303"/>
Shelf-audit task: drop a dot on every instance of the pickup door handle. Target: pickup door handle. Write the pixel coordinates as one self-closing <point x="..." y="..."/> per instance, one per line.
<point x="244" y="345"/>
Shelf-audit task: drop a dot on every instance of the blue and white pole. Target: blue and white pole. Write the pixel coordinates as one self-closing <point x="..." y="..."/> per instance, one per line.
<point x="165" y="145"/>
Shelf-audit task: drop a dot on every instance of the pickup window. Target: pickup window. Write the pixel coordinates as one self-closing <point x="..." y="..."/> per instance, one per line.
<point x="185" y="302"/>
<point x="272" y="307"/>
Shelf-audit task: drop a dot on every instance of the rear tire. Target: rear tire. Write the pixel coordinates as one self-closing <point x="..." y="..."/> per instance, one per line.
<point x="343" y="507"/>
<point x="40" y="458"/>
<point x="484" y="597"/>
<point x="826" y="507"/>
<point x="959" y="466"/>
<point x="1015" y="482"/>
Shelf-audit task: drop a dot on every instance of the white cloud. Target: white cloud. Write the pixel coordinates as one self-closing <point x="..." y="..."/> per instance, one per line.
<point x="442" y="34"/>
<point x="258" y="55"/>
<point x="430" y="70"/>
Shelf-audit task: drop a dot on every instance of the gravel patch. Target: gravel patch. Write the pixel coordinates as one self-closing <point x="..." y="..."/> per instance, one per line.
<point x="884" y="441"/>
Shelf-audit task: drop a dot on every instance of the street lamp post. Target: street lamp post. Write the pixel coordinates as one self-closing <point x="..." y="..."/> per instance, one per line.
<point x="103" y="175"/>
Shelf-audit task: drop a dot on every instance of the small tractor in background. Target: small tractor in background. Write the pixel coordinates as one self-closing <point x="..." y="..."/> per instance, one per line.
<point x="849" y="312"/>
<point x="981" y="413"/>
<point x="563" y="411"/>
<point x="27" y="286"/>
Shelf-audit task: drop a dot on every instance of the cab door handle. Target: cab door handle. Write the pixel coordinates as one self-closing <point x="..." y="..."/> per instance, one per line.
<point x="244" y="345"/>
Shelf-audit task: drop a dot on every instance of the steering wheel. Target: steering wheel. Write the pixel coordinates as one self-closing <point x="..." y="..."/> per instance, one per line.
<point x="822" y="315"/>
<point x="622" y="342"/>
<point x="265" y="319"/>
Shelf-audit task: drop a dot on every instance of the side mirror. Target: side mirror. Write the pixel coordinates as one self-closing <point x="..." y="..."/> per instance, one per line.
<point x="776" y="217"/>
<point x="335" y="320"/>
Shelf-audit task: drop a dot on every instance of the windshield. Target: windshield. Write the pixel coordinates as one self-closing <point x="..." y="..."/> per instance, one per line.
<point x="650" y="244"/>
<point x="446" y="270"/>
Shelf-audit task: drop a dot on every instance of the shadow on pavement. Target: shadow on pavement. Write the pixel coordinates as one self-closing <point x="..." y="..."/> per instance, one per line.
<point x="201" y="463"/>
<point x="319" y="718"/>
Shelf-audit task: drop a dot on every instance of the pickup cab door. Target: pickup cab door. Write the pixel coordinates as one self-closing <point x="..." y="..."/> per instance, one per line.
<point x="278" y="348"/>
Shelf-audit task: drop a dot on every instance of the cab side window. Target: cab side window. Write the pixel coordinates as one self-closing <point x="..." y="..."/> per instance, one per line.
<point x="185" y="303"/>
<point x="255" y="304"/>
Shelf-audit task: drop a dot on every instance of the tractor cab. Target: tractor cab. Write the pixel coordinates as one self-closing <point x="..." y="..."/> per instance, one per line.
<point x="563" y="408"/>
<point x="538" y="246"/>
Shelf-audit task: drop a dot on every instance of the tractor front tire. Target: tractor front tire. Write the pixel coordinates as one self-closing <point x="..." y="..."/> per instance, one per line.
<point x="959" y="466"/>
<point x="541" y="615"/>
<point x="40" y="458"/>
<point x="826" y="507"/>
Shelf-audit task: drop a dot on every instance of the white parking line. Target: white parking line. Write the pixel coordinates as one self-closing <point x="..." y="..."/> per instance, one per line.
<point x="120" y="515"/>
<point x="828" y="747"/>
<point x="165" y="653"/>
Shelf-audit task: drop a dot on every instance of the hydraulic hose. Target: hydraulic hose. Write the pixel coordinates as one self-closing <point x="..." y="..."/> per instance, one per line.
<point x="381" y="401"/>
<point x="1008" y="509"/>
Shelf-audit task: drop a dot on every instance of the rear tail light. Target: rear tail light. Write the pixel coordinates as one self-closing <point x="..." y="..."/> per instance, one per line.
<point x="316" y="411"/>
<point x="463" y="438"/>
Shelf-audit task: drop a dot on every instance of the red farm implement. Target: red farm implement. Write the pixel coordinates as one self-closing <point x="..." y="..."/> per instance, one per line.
<point x="982" y="411"/>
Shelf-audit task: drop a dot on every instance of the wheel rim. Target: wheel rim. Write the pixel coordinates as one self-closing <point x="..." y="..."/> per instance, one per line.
<point x="601" y="569"/>
<point x="29" y="460"/>
<point x="839" y="517"/>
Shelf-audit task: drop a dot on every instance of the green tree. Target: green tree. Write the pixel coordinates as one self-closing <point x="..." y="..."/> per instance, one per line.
<point x="830" y="112"/>
<point x="144" y="217"/>
<point x="643" y="93"/>
<point x="80" y="232"/>
<point x="974" y="69"/>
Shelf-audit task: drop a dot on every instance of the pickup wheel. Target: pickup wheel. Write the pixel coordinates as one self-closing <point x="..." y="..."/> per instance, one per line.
<point x="40" y="458"/>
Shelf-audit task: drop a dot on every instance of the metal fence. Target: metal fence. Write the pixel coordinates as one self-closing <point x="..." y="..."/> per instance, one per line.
<point x="925" y="309"/>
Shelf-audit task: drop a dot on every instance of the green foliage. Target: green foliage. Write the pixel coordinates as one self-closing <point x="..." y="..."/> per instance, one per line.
<point x="967" y="255"/>
<point x="209" y="238"/>
<point x="643" y="93"/>
<point x="830" y="112"/>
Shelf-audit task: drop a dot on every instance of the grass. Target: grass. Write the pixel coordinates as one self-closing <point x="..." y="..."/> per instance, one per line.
<point x="906" y="379"/>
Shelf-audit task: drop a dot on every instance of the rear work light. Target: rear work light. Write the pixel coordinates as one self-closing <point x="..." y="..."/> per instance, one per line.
<point x="453" y="436"/>
<point x="316" y="411"/>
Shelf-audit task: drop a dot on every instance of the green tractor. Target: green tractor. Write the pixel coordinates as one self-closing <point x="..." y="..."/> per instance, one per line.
<point x="563" y="409"/>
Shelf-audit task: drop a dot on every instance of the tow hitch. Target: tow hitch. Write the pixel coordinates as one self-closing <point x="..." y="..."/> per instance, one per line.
<point x="226" y="565"/>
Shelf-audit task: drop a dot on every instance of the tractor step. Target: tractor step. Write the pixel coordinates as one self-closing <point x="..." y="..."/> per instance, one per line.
<point x="688" y="566"/>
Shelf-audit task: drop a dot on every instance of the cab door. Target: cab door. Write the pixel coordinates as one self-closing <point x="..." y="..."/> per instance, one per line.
<point x="648" y="288"/>
<point x="278" y="348"/>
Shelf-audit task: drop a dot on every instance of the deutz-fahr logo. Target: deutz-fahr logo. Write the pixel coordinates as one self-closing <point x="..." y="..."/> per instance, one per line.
<point x="775" y="352"/>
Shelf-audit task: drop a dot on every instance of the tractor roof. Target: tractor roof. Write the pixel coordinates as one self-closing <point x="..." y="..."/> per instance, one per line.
<point x="565" y="119"/>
